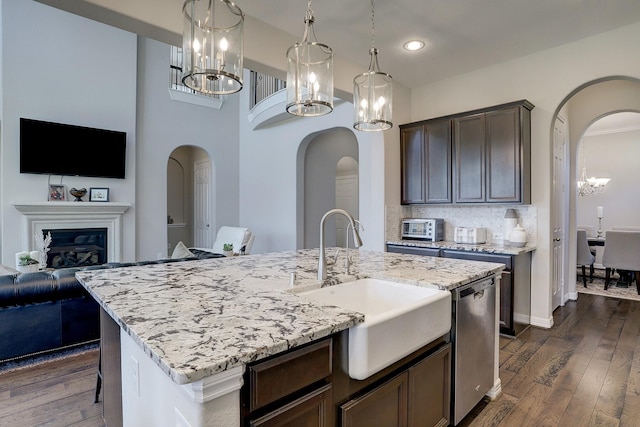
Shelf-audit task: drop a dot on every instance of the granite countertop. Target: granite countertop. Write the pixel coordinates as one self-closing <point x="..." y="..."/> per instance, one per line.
<point x="490" y="248"/>
<point x="197" y="318"/>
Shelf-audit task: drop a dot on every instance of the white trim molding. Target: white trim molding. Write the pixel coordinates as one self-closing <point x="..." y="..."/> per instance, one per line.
<point x="38" y="216"/>
<point x="215" y="386"/>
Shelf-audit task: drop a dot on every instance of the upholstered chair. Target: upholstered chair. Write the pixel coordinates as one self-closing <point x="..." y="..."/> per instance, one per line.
<point x="585" y="256"/>
<point x="622" y="252"/>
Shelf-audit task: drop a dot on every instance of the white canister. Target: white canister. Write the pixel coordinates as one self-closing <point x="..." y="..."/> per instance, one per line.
<point x="509" y="223"/>
<point x="518" y="236"/>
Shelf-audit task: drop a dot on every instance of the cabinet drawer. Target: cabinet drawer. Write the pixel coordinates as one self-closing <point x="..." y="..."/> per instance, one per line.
<point x="474" y="256"/>
<point x="413" y="250"/>
<point x="286" y="374"/>
<point x="313" y="410"/>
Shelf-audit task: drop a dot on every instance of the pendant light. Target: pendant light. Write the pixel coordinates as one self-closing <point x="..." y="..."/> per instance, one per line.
<point x="372" y="92"/>
<point x="309" y="74"/>
<point x="212" y="46"/>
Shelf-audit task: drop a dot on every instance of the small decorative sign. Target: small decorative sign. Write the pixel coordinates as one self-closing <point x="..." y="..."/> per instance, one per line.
<point x="99" y="194"/>
<point x="57" y="193"/>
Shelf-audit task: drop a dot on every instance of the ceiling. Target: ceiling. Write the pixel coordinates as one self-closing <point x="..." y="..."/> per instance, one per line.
<point x="618" y="122"/>
<point x="461" y="35"/>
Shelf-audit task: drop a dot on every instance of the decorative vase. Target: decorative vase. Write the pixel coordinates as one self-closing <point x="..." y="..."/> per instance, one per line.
<point x="227" y="253"/>
<point x="518" y="237"/>
<point x="78" y="194"/>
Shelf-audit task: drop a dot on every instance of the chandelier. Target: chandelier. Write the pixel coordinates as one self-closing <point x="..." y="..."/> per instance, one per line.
<point x="212" y="45"/>
<point x="372" y="92"/>
<point x="588" y="186"/>
<point x="309" y="73"/>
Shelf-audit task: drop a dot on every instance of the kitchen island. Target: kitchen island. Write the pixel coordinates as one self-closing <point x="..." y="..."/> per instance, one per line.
<point x="188" y="329"/>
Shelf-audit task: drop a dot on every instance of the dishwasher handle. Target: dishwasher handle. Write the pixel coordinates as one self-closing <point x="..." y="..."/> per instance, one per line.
<point x="476" y="289"/>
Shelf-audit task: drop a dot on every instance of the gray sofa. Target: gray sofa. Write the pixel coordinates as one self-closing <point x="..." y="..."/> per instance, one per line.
<point x="46" y="311"/>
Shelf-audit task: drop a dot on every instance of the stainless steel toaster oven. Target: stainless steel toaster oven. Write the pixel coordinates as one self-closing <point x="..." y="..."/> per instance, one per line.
<point x="430" y="229"/>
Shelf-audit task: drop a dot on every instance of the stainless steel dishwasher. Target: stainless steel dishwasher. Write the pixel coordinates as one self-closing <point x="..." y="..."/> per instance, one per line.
<point x="473" y="333"/>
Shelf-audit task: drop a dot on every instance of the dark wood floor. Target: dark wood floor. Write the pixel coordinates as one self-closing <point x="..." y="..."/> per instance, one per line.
<point x="57" y="393"/>
<point x="585" y="371"/>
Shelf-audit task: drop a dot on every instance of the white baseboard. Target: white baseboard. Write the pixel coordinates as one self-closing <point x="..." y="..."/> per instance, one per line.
<point x="541" y="322"/>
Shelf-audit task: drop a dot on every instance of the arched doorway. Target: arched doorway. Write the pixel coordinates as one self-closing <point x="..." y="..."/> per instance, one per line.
<point x="580" y="109"/>
<point x="190" y="198"/>
<point x="322" y="155"/>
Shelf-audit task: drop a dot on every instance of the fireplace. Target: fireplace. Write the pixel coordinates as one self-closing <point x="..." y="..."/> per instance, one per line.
<point x="76" y="247"/>
<point x="75" y="216"/>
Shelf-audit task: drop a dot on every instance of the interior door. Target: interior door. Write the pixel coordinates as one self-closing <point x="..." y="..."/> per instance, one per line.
<point x="203" y="218"/>
<point x="559" y="214"/>
<point x="347" y="199"/>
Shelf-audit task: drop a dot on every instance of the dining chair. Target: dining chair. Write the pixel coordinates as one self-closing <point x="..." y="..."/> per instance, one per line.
<point x="622" y="252"/>
<point x="585" y="256"/>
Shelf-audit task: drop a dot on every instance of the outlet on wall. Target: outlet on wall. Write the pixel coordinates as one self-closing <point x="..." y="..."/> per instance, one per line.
<point x="135" y="375"/>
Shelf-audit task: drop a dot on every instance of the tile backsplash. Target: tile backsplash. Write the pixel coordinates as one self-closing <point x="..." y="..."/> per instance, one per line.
<point x="489" y="217"/>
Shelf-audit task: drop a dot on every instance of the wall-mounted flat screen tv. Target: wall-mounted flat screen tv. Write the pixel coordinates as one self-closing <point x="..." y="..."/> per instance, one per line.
<point x="62" y="149"/>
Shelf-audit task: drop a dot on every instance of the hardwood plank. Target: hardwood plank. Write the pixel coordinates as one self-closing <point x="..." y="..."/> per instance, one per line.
<point x="584" y="399"/>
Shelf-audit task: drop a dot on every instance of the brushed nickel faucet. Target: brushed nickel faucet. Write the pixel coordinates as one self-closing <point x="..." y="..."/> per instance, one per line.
<point x="357" y="242"/>
<point x="346" y="262"/>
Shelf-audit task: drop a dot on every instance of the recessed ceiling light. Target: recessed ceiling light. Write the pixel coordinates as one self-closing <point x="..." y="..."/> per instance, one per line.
<point x="413" y="45"/>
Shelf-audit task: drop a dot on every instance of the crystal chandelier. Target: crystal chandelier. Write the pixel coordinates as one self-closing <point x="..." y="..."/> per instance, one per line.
<point x="212" y="43"/>
<point x="587" y="186"/>
<point x="309" y="73"/>
<point x="372" y="92"/>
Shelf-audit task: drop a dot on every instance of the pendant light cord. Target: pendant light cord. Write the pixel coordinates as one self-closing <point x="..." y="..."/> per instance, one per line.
<point x="373" y="26"/>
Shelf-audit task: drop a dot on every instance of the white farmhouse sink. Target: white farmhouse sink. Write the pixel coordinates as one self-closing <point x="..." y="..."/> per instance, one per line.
<point x="399" y="319"/>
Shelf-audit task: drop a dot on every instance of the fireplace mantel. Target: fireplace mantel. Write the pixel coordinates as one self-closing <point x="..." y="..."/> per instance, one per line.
<point x="38" y="216"/>
<point x="71" y="208"/>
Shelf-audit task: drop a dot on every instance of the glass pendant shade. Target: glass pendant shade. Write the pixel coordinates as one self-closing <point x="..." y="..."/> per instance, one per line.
<point x="309" y="75"/>
<point x="212" y="43"/>
<point x="372" y="98"/>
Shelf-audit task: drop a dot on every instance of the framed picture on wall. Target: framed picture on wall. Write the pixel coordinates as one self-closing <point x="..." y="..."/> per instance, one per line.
<point x="57" y="193"/>
<point x="99" y="194"/>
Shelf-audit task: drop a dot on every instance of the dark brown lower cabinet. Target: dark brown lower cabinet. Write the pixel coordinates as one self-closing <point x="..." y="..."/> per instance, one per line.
<point x="291" y="389"/>
<point x="312" y="410"/>
<point x="430" y="390"/>
<point x="420" y="396"/>
<point x="386" y="405"/>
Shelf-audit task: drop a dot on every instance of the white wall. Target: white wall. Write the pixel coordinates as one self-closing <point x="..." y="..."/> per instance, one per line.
<point x="163" y="125"/>
<point x="271" y="196"/>
<point x="322" y="154"/>
<point x="63" y="68"/>
<point x="612" y="156"/>
<point x="545" y="79"/>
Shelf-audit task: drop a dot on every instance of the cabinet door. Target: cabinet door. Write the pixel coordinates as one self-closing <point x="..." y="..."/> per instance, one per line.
<point x="469" y="146"/>
<point x="386" y="405"/>
<point x="437" y="141"/>
<point x="312" y="410"/>
<point x="412" y="158"/>
<point x="504" y="156"/>
<point x="506" y="303"/>
<point x="430" y="390"/>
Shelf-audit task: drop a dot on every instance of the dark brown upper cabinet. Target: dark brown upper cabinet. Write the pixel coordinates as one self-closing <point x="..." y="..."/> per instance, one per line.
<point x="426" y="163"/>
<point x="480" y="156"/>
